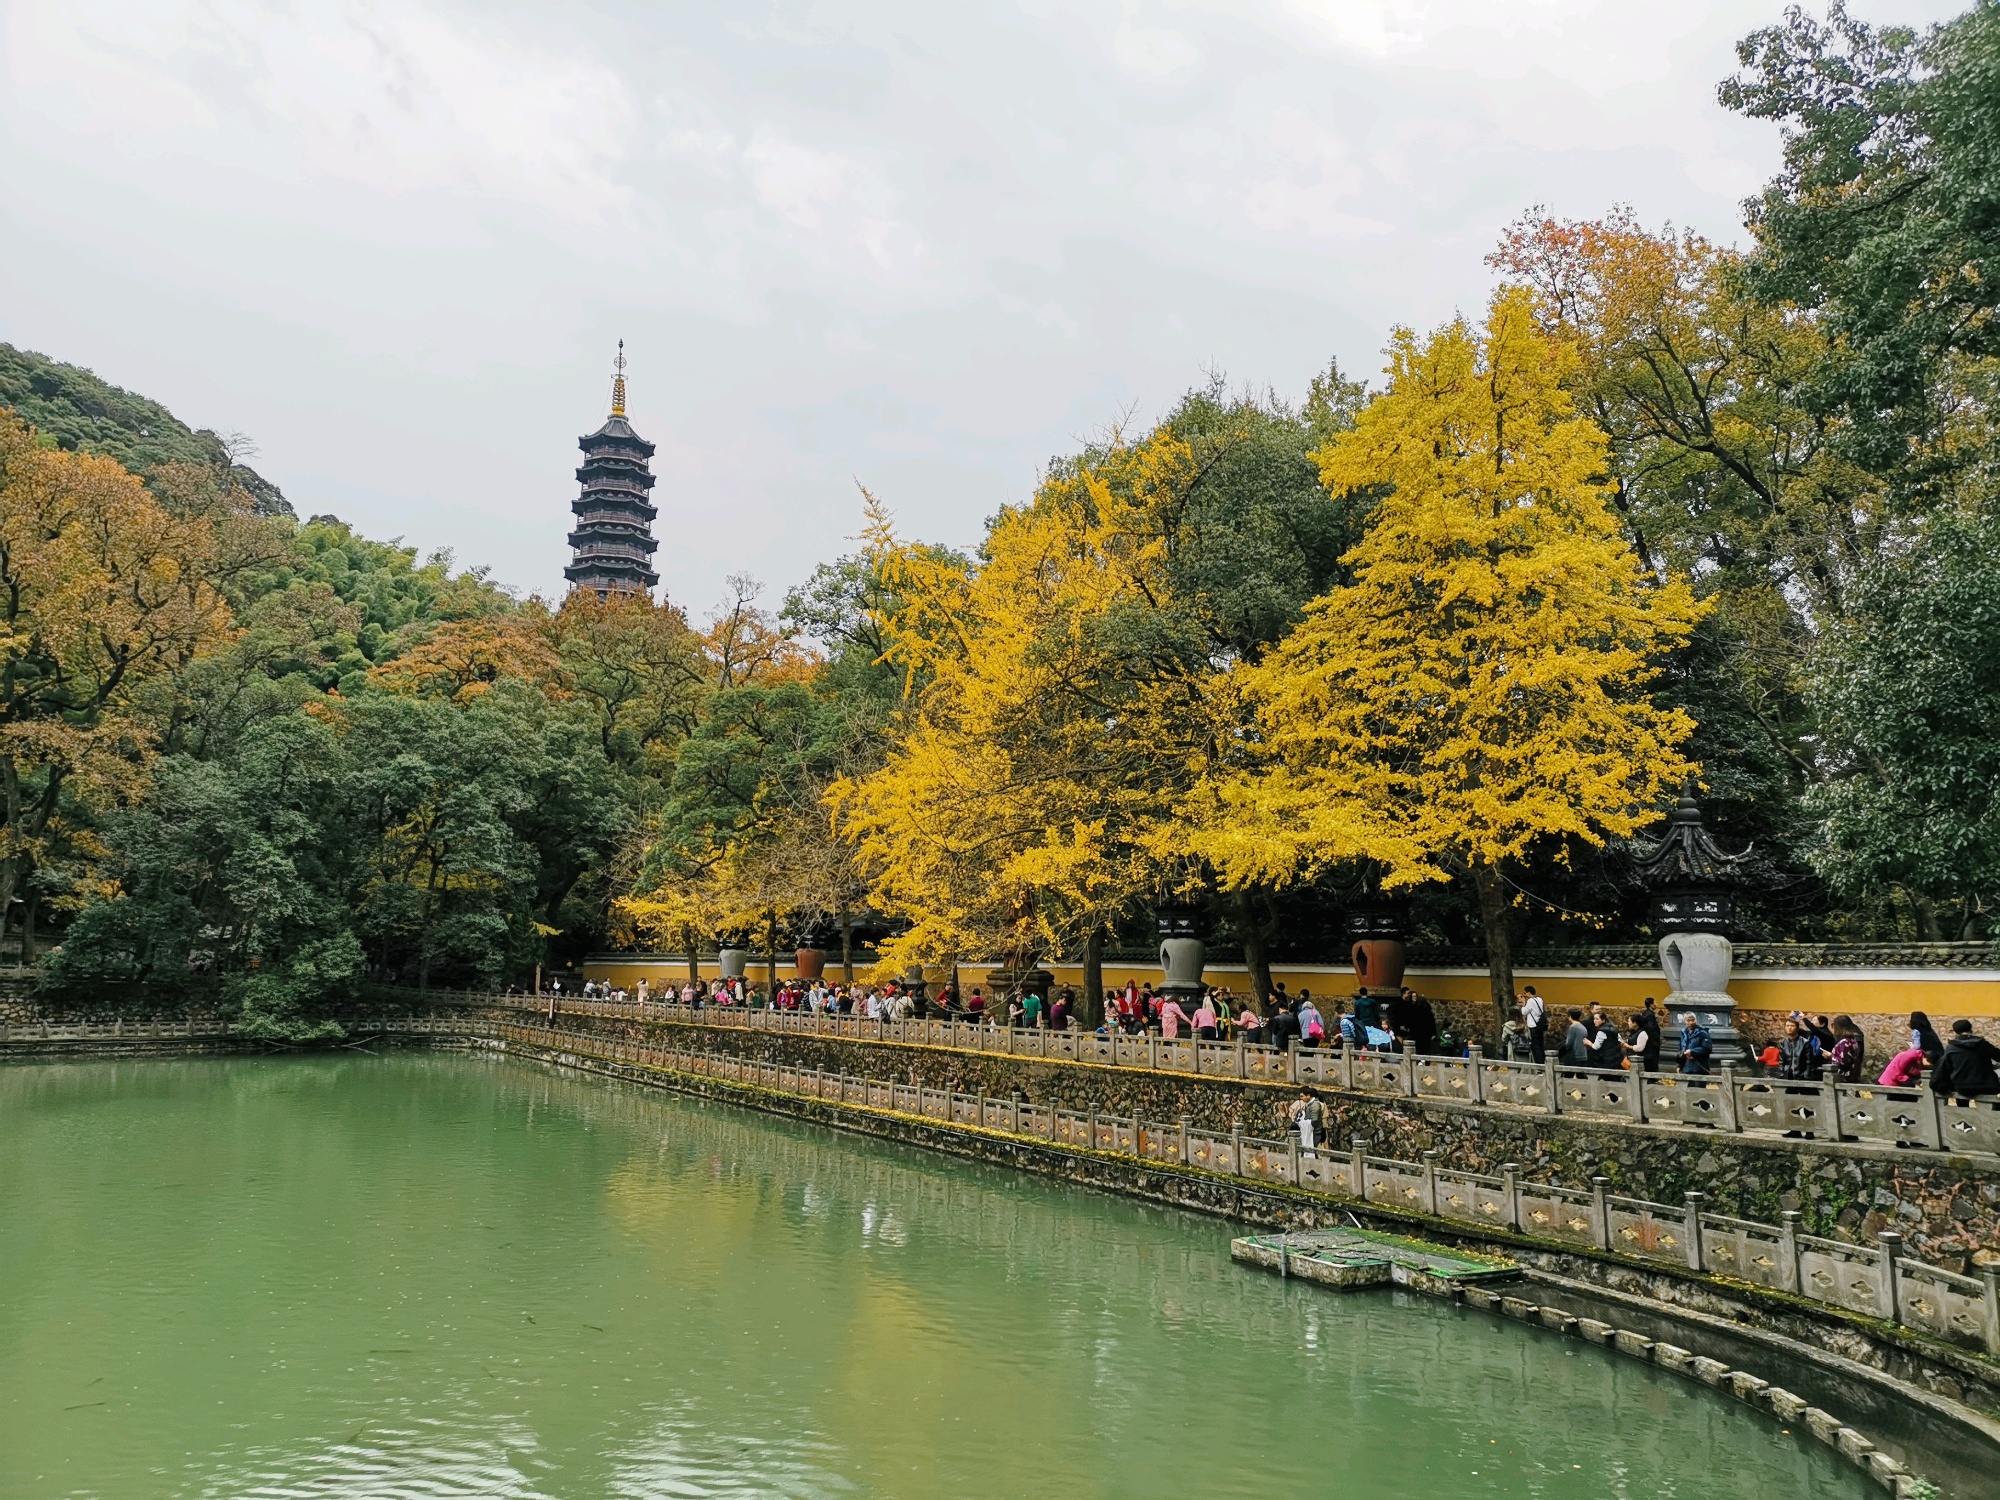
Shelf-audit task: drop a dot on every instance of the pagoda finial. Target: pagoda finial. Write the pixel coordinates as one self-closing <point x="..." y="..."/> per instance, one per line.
<point x="618" y="382"/>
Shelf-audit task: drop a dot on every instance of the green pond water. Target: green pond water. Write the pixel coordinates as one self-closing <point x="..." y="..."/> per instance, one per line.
<point x="440" y="1275"/>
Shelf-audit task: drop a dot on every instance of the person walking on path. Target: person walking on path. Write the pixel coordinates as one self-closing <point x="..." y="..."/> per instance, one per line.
<point x="1643" y="1047"/>
<point x="1966" y="1069"/>
<point x="1848" y="1059"/>
<point x="1575" y="1049"/>
<point x="1172" y="1018"/>
<point x="1283" y="1027"/>
<point x="1601" y="1046"/>
<point x="1535" y="1016"/>
<point x="1696" y="1046"/>
<point x="1309" y="1117"/>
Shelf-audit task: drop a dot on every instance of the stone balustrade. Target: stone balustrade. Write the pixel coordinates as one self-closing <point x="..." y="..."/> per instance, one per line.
<point x="1727" y="1101"/>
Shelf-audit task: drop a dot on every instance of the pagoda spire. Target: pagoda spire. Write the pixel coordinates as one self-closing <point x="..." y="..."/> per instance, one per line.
<point x="618" y="382"/>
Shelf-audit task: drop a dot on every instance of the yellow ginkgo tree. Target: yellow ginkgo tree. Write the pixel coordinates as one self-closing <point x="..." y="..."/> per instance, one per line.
<point x="1481" y="685"/>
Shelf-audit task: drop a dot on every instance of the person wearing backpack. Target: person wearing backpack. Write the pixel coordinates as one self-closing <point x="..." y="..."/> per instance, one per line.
<point x="1535" y="1017"/>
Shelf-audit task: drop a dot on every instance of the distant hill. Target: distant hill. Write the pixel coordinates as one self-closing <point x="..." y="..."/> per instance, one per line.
<point x="80" y="412"/>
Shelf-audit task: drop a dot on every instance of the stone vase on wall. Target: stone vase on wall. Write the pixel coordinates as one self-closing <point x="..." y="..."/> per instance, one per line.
<point x="810" y="963"/>
<point x="1181" y="962"/>
<point x="733" y="961"/>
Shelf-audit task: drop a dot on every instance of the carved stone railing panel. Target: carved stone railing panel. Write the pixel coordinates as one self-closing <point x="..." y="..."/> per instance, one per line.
<point x="1556" y="1213"/>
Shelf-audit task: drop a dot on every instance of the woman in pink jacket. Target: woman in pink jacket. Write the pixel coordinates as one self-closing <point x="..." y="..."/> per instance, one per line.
<point x="1904" y="1069"/>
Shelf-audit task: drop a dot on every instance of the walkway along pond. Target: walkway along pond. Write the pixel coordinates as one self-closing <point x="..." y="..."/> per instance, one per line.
<point x="1726" y="1101"/>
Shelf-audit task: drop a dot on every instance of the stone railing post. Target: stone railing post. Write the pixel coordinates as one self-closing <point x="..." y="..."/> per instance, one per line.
<point x="1691" y="1230"/>
<point x="1242" y="1059"/>
<point x="1182" y="1139"/>
<point x="1829" y="1104"/>
<point x="1635" y="1090"/>
<point x="1236" y="1148"/>
<point x="1014" y="1115"/>
<point x="1991" y="1276"/>
<point x="1730" y="1121"/>
<point x="1430" y="1187"/>
<point x="1600" y="1211"/>
<point x="1930" y="1116"/>
<point x="1409" y="1055"/>
<point x="1346" y="1064"/>
<point x="1891" y="1244"/>
<point x="1293" y="1142"/>
<point x="1093" y="1125"/>
<point x="1152" y="1051"/>
<point x="1292" y="1060"/>
<point x="1475" y="1086"/>
<point x="1510" y="1190"/>
<point x="1554" y="1104"/>
<point x="1358" y="1171"/>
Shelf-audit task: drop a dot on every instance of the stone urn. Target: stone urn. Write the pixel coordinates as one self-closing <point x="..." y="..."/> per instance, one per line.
<point x="733" y="961"/>
<point x="810" y="963"/>
<point x="1183" y="950"/>
<point x="913" y="981"/>
<point x="1376" y="933"/>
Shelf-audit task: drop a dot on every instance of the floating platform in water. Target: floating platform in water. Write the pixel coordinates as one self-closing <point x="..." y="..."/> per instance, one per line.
<point x="1350" y="1258"/>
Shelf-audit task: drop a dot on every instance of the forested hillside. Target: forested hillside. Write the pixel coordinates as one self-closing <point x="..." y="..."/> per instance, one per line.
<point x="72" y="408"/>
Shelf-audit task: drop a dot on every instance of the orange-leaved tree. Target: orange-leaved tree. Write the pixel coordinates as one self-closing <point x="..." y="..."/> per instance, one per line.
<point x="103" y="592"/>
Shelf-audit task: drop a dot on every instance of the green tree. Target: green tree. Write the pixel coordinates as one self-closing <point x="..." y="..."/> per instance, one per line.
<point x="1912" y="795"/>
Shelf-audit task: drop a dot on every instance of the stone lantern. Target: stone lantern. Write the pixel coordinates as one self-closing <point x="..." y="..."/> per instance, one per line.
<point x="1694" y="910"/>
<point x="1183" y="949"/>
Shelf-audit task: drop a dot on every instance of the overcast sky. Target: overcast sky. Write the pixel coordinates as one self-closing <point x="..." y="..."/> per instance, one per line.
<point x="916" y="245"/>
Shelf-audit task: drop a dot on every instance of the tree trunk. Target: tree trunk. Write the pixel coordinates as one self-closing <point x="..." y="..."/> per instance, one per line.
<point x="846" y="947"/>
<point x="771" y="958"/>
<point x="1093" y="979"/>
<point x="1493" y="914"/>
<point x="694" y="962"/>
<point x="1256" y="958"/>
<point x="28" y="929"/>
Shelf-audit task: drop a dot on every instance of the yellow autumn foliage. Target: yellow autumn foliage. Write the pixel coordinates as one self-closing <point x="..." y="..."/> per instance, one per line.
<point x="1481" y="685"/>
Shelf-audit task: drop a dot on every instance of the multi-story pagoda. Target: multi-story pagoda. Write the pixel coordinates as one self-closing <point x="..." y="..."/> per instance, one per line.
<point x="613" y="544"/>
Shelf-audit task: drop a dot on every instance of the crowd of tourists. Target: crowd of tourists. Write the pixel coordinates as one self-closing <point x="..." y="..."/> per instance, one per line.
<point x="1811" y="1049"/>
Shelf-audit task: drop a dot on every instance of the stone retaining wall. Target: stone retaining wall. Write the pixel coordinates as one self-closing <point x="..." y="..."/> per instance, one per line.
<point x="1947" y="1207"/>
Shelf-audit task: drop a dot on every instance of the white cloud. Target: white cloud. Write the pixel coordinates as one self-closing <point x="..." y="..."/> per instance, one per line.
<point x="921" y="244"/>
<point x="398" y="98"/>
<point x="1149" y="49"/>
